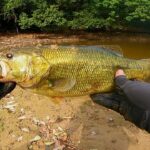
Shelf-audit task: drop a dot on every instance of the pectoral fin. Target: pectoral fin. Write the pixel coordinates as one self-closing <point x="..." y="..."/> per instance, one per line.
<point x="62" y="85"/>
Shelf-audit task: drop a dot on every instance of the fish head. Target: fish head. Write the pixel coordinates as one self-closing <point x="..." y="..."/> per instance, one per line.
<point x="24" y="68"/>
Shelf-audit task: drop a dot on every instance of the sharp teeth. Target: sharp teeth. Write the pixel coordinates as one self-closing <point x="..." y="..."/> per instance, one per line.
<point x="4" y="69"/>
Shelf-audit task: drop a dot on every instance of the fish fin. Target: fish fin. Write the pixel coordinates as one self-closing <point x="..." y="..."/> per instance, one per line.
<point x="57" y="100"/>
<point x="114" y="49"/>
<point x="63" y="85"/>
<point x="146" y="59"/>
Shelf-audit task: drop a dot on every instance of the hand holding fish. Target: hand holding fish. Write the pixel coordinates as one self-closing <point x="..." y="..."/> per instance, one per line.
<point x="119" y="72"/>
<point x="134" y="105"/>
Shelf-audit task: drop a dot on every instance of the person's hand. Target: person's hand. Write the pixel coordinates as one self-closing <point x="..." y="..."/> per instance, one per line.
<point x="120" y="103"/>
<point x="119" y="72"/>
<point x="120" y="79"/>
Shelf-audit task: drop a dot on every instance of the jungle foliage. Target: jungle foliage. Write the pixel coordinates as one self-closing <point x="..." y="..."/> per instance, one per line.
<point x="73" y="14"/>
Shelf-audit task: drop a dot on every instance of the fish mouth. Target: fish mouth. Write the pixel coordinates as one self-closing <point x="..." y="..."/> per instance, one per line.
<point x="3" y="70"/>
<point x="5" y="86"/>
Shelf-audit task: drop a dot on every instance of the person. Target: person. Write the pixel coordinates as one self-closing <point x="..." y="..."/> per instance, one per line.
<point x="131" y="99"/>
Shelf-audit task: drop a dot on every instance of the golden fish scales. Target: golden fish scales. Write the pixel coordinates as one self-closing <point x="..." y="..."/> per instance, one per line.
<point x="81" y="71"/>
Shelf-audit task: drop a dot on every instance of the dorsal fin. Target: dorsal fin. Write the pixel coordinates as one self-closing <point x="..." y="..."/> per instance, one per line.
<point x="114" y="49"/>
<point x="146" y="59"/>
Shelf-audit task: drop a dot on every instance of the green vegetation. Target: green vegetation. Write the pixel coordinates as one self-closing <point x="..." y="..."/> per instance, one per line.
<point x="73" y="14"/>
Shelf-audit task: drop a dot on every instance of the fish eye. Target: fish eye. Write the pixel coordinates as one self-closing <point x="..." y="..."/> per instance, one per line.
<point x="9" y="55"/>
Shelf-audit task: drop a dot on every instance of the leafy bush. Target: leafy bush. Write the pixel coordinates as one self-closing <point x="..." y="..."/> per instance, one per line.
<point x="74" y="14"/>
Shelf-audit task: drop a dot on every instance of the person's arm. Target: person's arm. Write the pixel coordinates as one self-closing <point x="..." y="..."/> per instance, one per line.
<point x="130" y="109"/>
<point x="137" y="92"/>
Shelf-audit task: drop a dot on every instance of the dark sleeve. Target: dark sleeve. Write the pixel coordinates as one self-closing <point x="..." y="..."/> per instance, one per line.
<point x="137" y="92"/>
<point x="6" y="88"/>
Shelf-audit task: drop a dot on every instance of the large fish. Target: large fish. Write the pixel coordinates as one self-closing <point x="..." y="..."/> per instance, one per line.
<point x="67" y="71"/>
